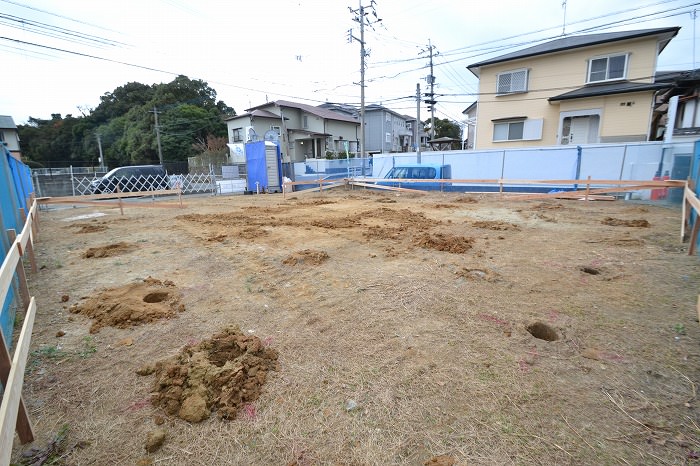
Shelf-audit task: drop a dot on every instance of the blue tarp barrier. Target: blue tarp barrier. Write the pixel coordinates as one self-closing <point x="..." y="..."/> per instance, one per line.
<point x="15" y="188"/>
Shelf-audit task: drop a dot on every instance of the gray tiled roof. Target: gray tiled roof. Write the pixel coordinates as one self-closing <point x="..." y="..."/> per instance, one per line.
<point x="572" y="42"/>
<point x="675" y="76"/>
<point x="607" y="89"/>
<point x="318" y="111"/>
<point x="7" y="122"/>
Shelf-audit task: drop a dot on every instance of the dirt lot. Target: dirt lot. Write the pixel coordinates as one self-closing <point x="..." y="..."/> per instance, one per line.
<point x="365" y="328"/>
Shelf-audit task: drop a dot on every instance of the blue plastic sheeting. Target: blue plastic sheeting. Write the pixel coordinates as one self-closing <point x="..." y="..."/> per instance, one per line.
<point x="257" y="167"/>
<point x="695" y="176"/>
<point x="255" y="159"/>
<point x="15" y="188"/>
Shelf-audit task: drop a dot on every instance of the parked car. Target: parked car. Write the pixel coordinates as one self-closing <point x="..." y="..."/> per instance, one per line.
<point x="134" y="178"/>
<point x="428" y="174"/>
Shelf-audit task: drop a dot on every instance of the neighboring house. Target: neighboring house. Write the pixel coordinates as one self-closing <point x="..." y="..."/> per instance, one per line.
<point x="574" y="90"/>
<point x="9" y="136"/>
<point x="423" y="136"/>
<point x="303" y="131"/>
<point x="470" y="121"/>
<point x="386" y="131"/>
<point x="685" y="85"/>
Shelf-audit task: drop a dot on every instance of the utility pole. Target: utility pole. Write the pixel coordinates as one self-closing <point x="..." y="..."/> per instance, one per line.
<point x="563" y="28"/>
<point x="430" y="79"/>
<point x="416" y="131"/>
<point x="361" y="18"/>
<point x="99" y="146"/>
<point x="160" y="150"/>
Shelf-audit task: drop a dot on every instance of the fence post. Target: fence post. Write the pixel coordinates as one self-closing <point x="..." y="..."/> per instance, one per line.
<point x="12" y="378"/>
<point x="19" y="269"/>
<point x="30" y="246"/>
<point x="72" y="180"/>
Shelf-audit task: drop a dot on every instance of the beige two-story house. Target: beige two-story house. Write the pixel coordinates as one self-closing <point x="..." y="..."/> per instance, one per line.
<point x="584" y="89"/>
<point x="302" y="131"/>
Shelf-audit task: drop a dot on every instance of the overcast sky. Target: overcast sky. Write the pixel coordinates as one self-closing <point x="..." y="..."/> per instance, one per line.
<point x="254" y="51"/>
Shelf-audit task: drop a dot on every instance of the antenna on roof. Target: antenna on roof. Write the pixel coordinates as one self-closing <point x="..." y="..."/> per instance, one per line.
<point x="563" y="28"/>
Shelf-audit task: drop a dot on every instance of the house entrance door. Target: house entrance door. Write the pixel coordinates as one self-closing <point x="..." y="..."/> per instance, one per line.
<point x="580" y="129"/>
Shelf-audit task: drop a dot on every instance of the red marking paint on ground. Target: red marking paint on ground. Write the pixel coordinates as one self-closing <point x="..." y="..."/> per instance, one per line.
<point x="136" y="405"/>
<point x="249" y="412"/>
<point x="524" y="366"/>
<point x="495" y="319"/>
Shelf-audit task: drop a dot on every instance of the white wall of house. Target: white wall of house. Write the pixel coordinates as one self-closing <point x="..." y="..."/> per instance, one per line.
<point x="10" y="137"/>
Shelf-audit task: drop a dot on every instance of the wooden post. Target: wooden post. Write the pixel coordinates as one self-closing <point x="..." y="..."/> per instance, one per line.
<point x="694" y="235"/>
<point x="23" y="288"/>
<point x="684" y="212"/>
<point x="119" y="197"/>
<point x="23" y="425"/>
<point x="588" y="187"/>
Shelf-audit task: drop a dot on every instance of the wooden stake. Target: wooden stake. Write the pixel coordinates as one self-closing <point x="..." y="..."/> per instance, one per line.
<point x="588" y="187"/>
<point x="22" y="425"/>
<point x="23" y="288"/>
<point x="121" y="207"/>
<point x="694" y="235"/>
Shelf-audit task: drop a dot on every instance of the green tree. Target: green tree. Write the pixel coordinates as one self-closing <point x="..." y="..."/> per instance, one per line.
<point x="125" y="123"/>
<point x="444" y="128"/>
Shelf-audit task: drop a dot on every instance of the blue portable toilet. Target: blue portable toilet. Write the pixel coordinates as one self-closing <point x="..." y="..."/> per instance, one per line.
<point x="264" y="166"/>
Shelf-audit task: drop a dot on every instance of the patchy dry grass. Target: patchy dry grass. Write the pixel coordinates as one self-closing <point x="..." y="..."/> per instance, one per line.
<point x="402" y="339"/>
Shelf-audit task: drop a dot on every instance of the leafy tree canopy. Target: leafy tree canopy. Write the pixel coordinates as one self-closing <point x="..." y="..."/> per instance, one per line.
<point x="444" y="128"/>
<point x="124" y="123"/>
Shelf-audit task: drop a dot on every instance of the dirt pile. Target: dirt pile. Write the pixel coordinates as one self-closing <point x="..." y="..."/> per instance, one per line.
<point x="131" y="305"/>
<point x="109" y="250"/>
<point x="617" y="222"/>
<point x="444" y="242"/>
<point x="307" y="256"/>
<point x="221" y="374"/>
<point x="495" y="225"/>
<point x="90" y="228"/>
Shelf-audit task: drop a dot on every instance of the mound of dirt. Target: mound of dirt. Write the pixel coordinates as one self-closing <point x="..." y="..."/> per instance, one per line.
<point x="617" y="222"/>
<point x="335" y="223"/>
<point x="495" y="225"/>
<point x="444" y="242"/>
<point x="220" y="374"/>
<point x="130" y="305"/>
<point x="387" y="233"/>
<point x="307" y="256"/>
<point x="109" y="250"/>
<point x="90" y="228"/>
<point x="479" y="274"/>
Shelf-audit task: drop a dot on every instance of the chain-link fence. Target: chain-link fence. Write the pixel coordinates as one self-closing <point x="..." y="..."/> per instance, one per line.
<point x="74" y="182"/>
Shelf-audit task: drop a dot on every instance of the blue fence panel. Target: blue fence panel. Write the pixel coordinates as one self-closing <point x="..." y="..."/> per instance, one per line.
<point x="15" y="188"/>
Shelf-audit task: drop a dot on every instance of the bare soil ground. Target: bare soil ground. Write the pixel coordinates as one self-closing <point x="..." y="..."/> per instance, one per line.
<point x="357" y="327"/>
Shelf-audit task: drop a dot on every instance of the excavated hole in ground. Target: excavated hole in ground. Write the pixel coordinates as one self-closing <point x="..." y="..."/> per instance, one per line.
<point x="542" y="331"/>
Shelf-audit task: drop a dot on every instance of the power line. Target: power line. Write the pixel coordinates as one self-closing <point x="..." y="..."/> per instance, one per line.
<point x="57" y="15"/>
<point x="44" y="29"/>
